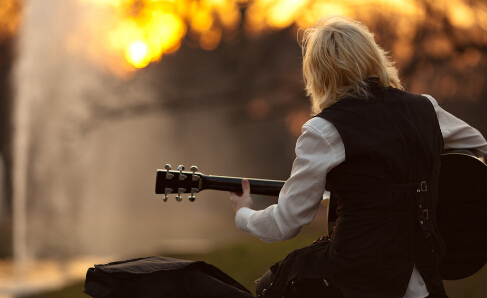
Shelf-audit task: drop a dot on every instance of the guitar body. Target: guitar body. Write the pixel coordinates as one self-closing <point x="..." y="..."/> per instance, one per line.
<point x="461" y="214"/>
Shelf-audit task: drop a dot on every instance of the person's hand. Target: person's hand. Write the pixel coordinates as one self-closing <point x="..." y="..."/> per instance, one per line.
<point x="240" y="200"/>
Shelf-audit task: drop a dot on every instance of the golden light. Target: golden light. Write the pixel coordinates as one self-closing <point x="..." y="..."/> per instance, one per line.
<point x="319" y="9"/>
<point x="460" y="14"/>
<point x="201" y="19"/>
<point x="210" y="39"/>
<point x="140" y="32"/>
<point x="138" y="54"/>
<point x="481" y="16"/>
<point x="283" y="13"/>
<point x="9" y="18"/>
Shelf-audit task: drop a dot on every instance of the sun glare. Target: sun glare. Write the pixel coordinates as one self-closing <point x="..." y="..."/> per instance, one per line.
<point x="138" y="54"/>
<point x="142" y="31"/>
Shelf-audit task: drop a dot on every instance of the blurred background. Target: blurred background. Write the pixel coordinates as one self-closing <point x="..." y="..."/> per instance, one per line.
<point x="96" y="95"/>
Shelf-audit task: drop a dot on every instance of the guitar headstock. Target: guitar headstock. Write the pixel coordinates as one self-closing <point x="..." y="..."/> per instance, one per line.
<point x="178" y="182"/>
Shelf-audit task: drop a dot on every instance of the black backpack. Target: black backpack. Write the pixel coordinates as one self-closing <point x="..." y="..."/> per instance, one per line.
<point x="157" y="277"/>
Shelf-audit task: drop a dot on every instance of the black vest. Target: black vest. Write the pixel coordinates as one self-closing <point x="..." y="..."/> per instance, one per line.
<point x="386" y="192"/>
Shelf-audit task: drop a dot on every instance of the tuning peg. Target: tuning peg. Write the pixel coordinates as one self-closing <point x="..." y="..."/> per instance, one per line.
<point x="168" y="168"/>
<point x="180" y="191"/>
<point x="194" y="169"/>
<point x="193" y="191"/>
<point x="181" y="175"/>
<point x="166" y="192"/>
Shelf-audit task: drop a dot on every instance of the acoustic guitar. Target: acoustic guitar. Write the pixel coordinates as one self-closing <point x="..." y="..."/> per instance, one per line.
<point x="461" y="213"/>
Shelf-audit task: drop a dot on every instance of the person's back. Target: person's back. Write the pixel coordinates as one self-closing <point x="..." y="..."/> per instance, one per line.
<point x="377" y="149"/>
<point x="392" y="146"/>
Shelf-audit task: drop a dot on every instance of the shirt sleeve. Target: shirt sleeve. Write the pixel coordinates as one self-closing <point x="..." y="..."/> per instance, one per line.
<point x="318" y="150"/>
<point x="456" y="133"/>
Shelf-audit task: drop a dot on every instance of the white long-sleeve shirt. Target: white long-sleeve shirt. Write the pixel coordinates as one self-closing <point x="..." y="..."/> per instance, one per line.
<point x="318" y="150"/>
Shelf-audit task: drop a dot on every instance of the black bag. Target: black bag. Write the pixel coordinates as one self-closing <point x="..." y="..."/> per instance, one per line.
<point x="157" y="277"/>
<point x="302" y="274"/>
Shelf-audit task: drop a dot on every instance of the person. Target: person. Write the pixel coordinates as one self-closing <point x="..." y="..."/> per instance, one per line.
<point x="377" y="149"/>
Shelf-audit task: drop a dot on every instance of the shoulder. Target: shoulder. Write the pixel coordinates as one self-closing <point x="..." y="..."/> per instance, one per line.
<point x="432" y="100"/>
<point x="318" y="132"/>
<point x="318" y="125"/>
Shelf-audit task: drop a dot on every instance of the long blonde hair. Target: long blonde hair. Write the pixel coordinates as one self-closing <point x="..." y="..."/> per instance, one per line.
<point x="338" y="55"/>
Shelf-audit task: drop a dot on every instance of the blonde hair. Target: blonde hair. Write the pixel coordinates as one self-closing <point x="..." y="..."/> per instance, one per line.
<point x="338" y="55"/>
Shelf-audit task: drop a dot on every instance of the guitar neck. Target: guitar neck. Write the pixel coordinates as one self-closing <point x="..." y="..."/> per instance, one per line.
<point x="234" y="184"/>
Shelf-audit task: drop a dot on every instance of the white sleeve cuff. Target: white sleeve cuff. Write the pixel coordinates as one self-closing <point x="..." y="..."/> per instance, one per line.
<point x="242" y="218"/>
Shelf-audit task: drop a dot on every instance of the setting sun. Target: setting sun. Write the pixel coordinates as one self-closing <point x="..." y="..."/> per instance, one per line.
<point x="138" y="54"/>
<point x="140" y="32"/>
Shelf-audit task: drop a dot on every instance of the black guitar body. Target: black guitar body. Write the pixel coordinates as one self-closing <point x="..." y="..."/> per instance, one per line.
<point x="462" y="215"/>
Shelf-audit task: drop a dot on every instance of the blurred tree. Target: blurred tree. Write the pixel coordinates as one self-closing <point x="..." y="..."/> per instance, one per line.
<point x="440" y="46"/>
<point x="254" y="68"/>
